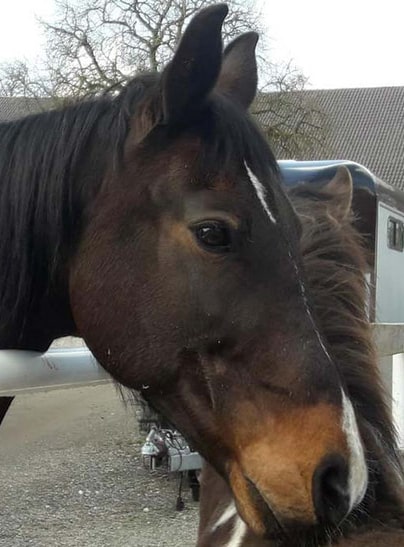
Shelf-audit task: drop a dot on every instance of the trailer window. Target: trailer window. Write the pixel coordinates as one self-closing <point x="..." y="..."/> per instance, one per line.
<point x="395" y="234"/>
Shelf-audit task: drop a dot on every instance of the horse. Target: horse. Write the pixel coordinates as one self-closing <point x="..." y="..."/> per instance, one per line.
<point x="336" y="260"/>
<point x="152" y="223"/>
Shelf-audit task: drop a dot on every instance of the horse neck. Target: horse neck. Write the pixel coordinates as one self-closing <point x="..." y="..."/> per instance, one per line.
<point x="49" y="318"/>
<point x="37" y="210"/>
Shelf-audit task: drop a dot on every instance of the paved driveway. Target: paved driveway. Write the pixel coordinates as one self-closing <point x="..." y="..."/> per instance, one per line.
<point x="71" y="476"/>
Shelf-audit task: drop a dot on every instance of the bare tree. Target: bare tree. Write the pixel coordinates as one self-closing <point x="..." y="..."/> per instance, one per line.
<point x="93" y="45"/>
<point x="96" y="44"/>
<point x="17" y="79"/>
<point x="292" y="120"/>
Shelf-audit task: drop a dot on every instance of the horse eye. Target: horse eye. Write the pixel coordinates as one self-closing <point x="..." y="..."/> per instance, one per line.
<point x="214" y="236"/>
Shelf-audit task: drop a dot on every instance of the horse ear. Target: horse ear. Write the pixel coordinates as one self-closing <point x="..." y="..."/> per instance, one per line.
<point x="193" y="71"/>
<point x="340" y="191"/>
<point x="238" y="77"/>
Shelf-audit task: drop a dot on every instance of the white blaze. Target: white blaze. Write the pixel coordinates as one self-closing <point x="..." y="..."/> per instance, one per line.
<point x="259" y="188"/>
<point x="358" y="471"/>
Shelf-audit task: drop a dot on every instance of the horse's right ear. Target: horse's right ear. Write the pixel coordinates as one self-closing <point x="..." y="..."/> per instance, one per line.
<point x="192" y="73"/>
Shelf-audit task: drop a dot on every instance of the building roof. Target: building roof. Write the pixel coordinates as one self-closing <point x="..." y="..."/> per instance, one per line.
<point x="365" y="125"/>
<point x="12" y="108"/>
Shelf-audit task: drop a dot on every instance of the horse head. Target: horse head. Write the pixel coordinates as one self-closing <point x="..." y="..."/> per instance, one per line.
<point x="186" y="280"/>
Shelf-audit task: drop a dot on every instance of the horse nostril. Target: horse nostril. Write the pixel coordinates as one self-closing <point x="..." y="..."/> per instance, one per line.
<point x="330" y="490"/>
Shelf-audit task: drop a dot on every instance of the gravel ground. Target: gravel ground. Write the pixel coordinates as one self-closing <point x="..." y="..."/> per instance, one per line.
<point x="71" y="475"/>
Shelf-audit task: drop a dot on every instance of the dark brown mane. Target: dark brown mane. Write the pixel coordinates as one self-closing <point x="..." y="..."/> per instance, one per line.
<point x="335" y="260"/>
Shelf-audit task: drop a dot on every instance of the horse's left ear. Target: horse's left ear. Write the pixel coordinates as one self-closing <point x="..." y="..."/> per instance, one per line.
<point x="238" y="77"/>
<point x="193" y="71"/>
<point x="340" y="192"/>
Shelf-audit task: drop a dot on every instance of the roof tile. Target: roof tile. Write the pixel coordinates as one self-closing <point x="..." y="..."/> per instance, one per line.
<point x="365" y="125"/>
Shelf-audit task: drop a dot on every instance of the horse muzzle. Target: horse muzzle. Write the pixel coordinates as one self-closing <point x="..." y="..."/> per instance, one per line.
<point x="271" y="510"/>
<point x="309" y="470"/>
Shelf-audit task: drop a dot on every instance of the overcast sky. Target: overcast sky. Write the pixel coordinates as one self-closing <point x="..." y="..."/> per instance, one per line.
<point x="349" y="43"/>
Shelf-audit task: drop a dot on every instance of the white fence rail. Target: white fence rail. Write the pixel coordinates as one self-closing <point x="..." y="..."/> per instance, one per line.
<point x="67" y="366"/>
<point x="389" y="339"/>
<point x="68" y="363"/>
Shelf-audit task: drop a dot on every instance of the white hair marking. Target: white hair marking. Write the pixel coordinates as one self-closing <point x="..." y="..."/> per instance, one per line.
<point x="259" y="188"/>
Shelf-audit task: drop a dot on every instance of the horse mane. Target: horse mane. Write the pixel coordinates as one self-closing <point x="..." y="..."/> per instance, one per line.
<point x="335" y="260"/>
<point x="53" y="163"/>
<point x="43" y="181"/>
